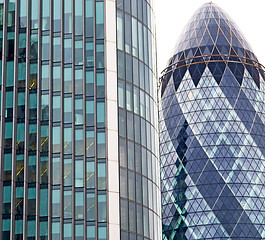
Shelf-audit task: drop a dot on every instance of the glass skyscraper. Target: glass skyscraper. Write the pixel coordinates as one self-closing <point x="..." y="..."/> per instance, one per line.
<point x="78" y="126"/>
<point x="212" y="133"/>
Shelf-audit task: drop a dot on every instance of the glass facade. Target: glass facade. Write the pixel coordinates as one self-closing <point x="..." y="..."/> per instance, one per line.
<point x="53" y="148"/>
<point x="137" y="101"/>
<point x="212" y="122"/>
<point x="58" y="116"/>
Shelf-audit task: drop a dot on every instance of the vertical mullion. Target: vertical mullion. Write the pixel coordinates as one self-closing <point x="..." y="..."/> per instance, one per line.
<point x="62" y="116"/>
<point x="106" y="116"/>
<point x="13" y="182"/>
<point x="2" y="114"/>
<point x="27" y="84"/>
<point x="84" y="116"/>
<point x="73" y="118"/>
<point x="1" y="135"/>
<point x="95" y="121"/>
<point x="50" y="151"/>
<point x="15" y="92"/>
<point x="38" y="171"/>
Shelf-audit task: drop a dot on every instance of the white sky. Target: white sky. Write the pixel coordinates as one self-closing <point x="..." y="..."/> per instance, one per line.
<point x="173" y="15"/>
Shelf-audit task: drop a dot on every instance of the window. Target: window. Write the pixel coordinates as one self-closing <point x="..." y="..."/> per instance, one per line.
<point x="79" y="52"/>
<point x="78" y="17"/>
<point x="67" y="16"/>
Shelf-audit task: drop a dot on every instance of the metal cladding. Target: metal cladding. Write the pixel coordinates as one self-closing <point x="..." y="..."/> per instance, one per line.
<point x="212" y="133"/>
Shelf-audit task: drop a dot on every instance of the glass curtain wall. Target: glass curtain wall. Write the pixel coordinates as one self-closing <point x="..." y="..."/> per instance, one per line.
<point x="53" y="151"/>
<point x="138" y="153"/>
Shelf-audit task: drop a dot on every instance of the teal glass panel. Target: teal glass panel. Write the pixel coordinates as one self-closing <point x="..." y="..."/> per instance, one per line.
<point x="79" y="173"/>
<point x="45" y="48"/>
<point x="91" y="206"/>
<point x="18" y="228"/>
<point x="22" y="13"/>
<point x="44" y="138"/>
<point x="79" y="111"/>
<point x="33" y="137"/>
<point x="56" y="170"/>
<point x="22" y="47"/>
<point x="31" y="229"/>
<point x="68" y="88"/>
<point x="32" y="201"/>
<point x="100" y="55"/>
<point x="78" y="81"/>
<point x="67" y="172"/>
<point x="44" y="169"/>
<point x="79" y="205"/>
<point x="102" y="208"/>
<point x="68" y="110"/>
<point x="99" y="20"/>
<point x="89" y="53"/>
<point x="100" y="85"/>
<point x="43" y="202"/>
<point x="32" y="169"/>
<point x="56" y="49"/>
<point x="10" y="74"/>
<point x="90" y="113"/>
<point x="56" y="15"/>
<point x="34" y="46"/>
<point x="101" y="176"/>
<point x="55" y="230"/>
<point x="56" y="203"/>
<point x="100" y="114"/>
<point x="11" y="13"/>
<point x="44" y="230"/>
<point x="67" y="204"/>
<point x="45" y="77"/>
<point x="79" y="52"/>
<point x="68" y="140"/>
<point x="79" y="17"/>
<point x="90" y="83"/>
<point x="46" y="15"/>
<point x="89" y="18"/>
<point x="67" y="16"/>
<point x="67" y="232"/>
<point x="79" y="231"/>
<point x="34" y="14"/>
<point x="90" y="174"/>
<point x="79" y="142"/>
<point x="56" y="139"/>
<point x="56" y="108"/>
<point x="68" y="50"/>
<point x="33" y="76"/>
<point x="91" y="232"/>
<point x="57" y="78"/>
<point x="90" y="143"/>
<point x="45" y="107"/>
<point x="101" y="145"/>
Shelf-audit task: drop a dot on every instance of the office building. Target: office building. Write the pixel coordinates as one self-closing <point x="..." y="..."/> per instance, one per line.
<point x="78" y="126"/>
<point x="212" y="133"/>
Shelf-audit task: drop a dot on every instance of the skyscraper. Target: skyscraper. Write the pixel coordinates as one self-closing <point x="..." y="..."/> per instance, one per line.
<point x="212" y="133"/>
<point x="78" y="131"/>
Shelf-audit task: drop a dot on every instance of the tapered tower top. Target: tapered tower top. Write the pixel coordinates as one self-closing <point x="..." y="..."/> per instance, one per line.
<point x="211" y="35"/>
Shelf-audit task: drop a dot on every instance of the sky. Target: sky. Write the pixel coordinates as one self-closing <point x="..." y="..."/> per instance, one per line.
<point x="173" y="15"/>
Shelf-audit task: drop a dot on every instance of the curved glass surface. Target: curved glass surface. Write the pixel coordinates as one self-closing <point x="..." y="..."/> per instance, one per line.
<point x="138" y="136"/>
<point x="212" y="122"/>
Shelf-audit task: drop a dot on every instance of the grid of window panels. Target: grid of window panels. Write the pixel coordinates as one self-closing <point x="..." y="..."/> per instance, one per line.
<point x="137" y="101"/>
<point x="53" y="153"/>
<point x="212" y="133"/>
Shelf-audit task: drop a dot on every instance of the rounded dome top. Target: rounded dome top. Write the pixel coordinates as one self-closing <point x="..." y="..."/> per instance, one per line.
<point x="211" y="26"/>
<point x="211" y="36"/>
